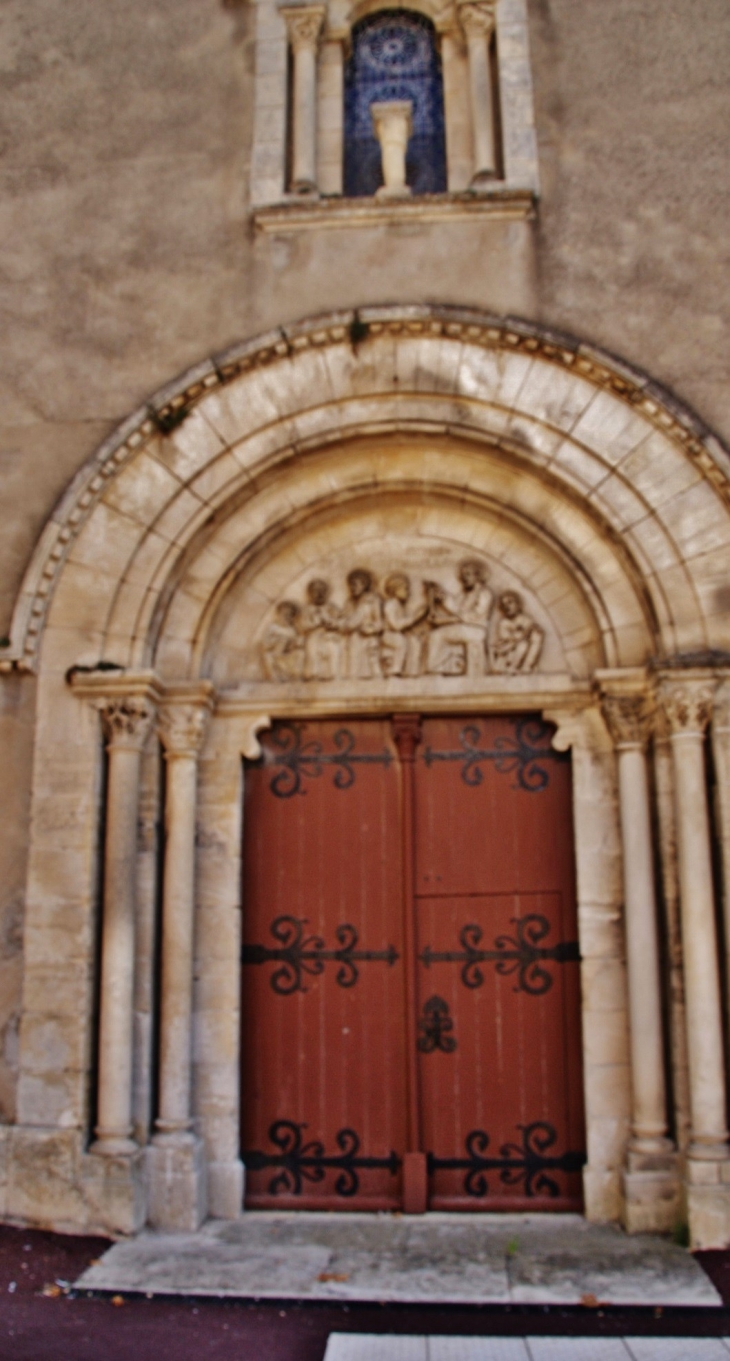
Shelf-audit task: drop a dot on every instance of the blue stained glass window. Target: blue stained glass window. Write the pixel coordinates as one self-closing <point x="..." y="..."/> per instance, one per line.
<point x="394" y="56"/>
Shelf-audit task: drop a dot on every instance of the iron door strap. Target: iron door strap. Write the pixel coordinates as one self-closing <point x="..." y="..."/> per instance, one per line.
<point x="528" y="1164"/>
<point x="293" y="760"/>
<point x="521" y="954"/>
<point x="298" y="955"/>
<point x="523" y="755"/>
<point x="299" y="1162"/>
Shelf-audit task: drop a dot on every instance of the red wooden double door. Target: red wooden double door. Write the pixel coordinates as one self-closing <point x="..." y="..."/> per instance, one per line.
<point x="411" y="1014"/>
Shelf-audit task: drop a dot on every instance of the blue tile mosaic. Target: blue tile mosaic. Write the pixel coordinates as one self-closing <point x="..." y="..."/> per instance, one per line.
<point x="394" y="56"/>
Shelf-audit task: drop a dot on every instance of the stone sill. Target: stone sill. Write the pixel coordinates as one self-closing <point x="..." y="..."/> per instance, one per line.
<point x="305" y="214"/>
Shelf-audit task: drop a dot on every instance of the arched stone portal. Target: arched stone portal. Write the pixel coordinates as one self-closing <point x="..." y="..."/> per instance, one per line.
<point x="401" y="441"/>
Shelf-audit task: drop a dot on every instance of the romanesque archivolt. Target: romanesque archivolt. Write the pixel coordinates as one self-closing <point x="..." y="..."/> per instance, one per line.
<point x="401" y="626"/>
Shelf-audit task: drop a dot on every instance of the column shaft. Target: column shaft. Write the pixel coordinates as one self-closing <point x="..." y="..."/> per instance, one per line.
<point x="303" y="24"/>
<point x="702" y="982"/>
<point x="721" y="754"/>
<point x="649" y="1122"/>
<point x="126" y="722"/>
<point x="177" y="945"/>
<point x="477" y="19"/>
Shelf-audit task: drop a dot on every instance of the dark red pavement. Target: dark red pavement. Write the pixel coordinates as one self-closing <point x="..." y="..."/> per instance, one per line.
<point x="59" y="1327"/>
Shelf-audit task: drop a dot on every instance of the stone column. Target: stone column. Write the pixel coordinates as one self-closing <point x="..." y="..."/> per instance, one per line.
<point x="393" y="124"/>
<point x="177" y="1165"/>
<point x="606" y="1068"/>
<point x="478" y="20"/>
<point x="126" y="719"/>
<point x="303" y="25"/>
<point x="721" y="756"/>
<point x="331" y="113"/>
<point x="687" y="702"/>
<point x="651" y="1189"/>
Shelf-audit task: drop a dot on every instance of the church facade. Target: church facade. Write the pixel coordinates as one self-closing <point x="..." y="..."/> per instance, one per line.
<point x="366" y="687"/>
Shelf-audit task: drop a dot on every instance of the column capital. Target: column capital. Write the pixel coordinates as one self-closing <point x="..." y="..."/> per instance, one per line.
<point x="183" y="719"/>
<point x="629" y="719"/>
<point x="687" y="702"/>
<point x="126" y="720"/>
<point x="478" y="17"/>
<point x="303" y="24"/>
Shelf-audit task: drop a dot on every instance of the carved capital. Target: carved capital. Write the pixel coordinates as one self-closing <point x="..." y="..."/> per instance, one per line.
<point x="303" y="24"/>
<point x="687" y="704"/>
<point x="182" y="727"/>
<point x="126" y="720"/>
<point x="478" y="17"/>
<point x="629" y="719"/>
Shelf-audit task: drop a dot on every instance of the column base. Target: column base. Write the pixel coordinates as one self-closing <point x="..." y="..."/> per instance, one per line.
<point x="708" y="1203"/>
<point x="601" y="1194"/>
<point x="176" y="1179"/>
<point x="652" y="1194"/>
<point x="386" y="192"/>
<point x="226" y="1184"/>
<point x="114" y="1189"/>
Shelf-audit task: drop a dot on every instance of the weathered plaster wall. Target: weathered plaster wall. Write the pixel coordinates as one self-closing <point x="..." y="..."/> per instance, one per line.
<point x="128" y="255"/>
<point x="631" y="106"/>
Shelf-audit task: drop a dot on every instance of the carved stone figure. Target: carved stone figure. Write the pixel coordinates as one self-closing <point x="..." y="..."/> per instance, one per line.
<point x="517" y="640"/>
<point x="283" y="648"/>
<point x="457" y="645"/>
<point x="402" y="643"/>
<point x="406" y="629"/>
<point x="320" y="622"/>
<point x="362" y="621"/>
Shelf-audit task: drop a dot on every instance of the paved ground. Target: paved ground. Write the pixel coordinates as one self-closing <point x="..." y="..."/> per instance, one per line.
<point x="346" y="1347"/>
<point x="434" y="1258"/>
<point x="63" y="1325"/>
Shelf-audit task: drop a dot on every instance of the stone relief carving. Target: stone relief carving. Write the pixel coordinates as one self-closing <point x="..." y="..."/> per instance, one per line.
<point x="405" y="628"/>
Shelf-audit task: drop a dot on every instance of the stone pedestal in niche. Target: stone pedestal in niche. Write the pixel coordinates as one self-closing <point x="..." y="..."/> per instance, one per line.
<point x="177" y="1182"/>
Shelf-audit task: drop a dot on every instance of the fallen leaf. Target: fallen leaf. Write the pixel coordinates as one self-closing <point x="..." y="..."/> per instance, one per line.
<point x="590" y="1302"/>
<point x="117" y="1299"/>
<point x="51" y="1291"/>
<point x="333" y="1276"/>
<point x="95" y="1261"/>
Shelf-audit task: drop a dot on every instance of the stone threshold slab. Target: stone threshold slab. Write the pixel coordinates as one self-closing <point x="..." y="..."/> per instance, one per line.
<point x="392" y="1347"/>
<point x="435" y="1258"/>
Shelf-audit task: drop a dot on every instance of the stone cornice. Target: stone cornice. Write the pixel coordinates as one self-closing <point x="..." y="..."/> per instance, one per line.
<point x="170" y="406"/>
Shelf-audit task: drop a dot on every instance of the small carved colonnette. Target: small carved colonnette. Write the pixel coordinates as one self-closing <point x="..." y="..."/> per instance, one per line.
<point x="401" y="631"/>
<point x="161" y="417"/>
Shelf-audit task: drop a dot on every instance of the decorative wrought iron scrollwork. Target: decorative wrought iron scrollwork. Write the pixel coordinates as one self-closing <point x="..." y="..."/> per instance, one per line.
<point x="522" y="755"/>
<point x="298" y="954"/>
<point x="301" y="1162"/>
<point x="527" y="1162"/>
<point x="435" y="1026"/>
<point x="296" y="759"/>
<point x="521" y="954"/>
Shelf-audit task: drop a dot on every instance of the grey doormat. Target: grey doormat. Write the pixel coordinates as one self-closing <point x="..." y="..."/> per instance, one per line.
<point x="433" y="1258"/>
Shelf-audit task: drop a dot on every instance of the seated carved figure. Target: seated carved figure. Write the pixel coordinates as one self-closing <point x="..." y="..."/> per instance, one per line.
<point x="401" y="649"/>
<point x="459" y="622"/>
<point x="517" y="639"/>
<point x="320" y="622"/>
<point x="362" y="620"/>
<point x="283" y="647"/>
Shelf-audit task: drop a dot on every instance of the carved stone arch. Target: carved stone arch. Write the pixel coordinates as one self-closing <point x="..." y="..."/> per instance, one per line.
<point x="601" y="444"/>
